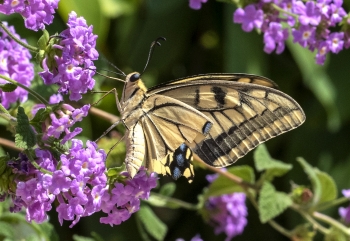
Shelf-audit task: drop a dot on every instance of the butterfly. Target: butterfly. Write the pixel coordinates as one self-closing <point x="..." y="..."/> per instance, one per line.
<point x="217" y="117"/>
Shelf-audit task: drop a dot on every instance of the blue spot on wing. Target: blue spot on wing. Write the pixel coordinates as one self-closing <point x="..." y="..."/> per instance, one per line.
<point x="176" y="173"/>
<point x="206" y="128"/>
<point x="180" y="161"/>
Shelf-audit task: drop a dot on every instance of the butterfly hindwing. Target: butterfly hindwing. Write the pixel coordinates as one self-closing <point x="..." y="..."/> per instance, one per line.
<point x="245" y="111"/>
<point x="167" y="124"/>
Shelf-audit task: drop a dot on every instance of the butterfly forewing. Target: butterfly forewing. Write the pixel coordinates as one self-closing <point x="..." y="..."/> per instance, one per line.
<point x="244" y="111"/>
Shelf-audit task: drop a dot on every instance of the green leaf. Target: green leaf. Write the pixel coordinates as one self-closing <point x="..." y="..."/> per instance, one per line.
<point x="223" y="185"/>
<point x="43" y="40"/>
<point x="235" y="2"/>
<point x="117" y="8"/>
<point x="271" y="202"/>
<point x="82" y="238"/>
<point x="168" y="189"/>
<point x="7" y="230"/>
<point x="317" y="79"/>
<point x="40" y="116"/>
<point x="264" y="162"/>
<point x="153" y="225"/>
<point x="25" y="137"/>
<point x="3" y="163"/>
<point x="303" y="232"/>
<point x="336" y="235"/>
<point x="315" y="181"/>
<point x="115" y="171"/>
<point x="329" y="189"/>
<point x="8" y="87"/>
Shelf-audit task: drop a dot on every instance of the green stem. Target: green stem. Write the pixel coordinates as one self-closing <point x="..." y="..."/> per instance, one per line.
<point x="27" y="46"/>
<point x="32" y="92"/>
<point x="285" y="12"/>
<point x="272" y="223"/>
<point x="309" y="218"/>
<point x="332" y="222"/>
<point x="32" y="161"/>
<point x="173" y="202"/>
<point x="333" y="203"/>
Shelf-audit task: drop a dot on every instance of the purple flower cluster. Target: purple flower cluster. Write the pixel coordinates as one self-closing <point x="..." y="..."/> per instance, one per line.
<point x="62" y="120"/>
<point x="310" y="24"/>
<point x="15" y="64"/>
<point x="124" y="199"/>
<point x="197" y="4"/>
<point x="36" y="13"/>
<point x="74" y="67"/>
<point x="78" y="185"/>
<point x="345" y="212"/>
<point x="227" y="213"/>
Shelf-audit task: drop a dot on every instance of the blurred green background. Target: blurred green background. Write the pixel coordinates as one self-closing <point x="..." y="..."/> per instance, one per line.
<point x="207" y="41"/>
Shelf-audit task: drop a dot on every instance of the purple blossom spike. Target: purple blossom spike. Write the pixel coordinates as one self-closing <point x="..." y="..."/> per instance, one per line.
<point x="250" y="17"/>
<point x="305" y="35"/>
<point x="36" y="13"/>
<point x="74" y="67"/>
<point x="274" y="38"/>
<point x="78" y="186"/>
<point x="197" y="4"/>
<point x="336" y="42"/>
<point x="124" y="199"/>
<point x="309" y="13"/>
<point x="227" y="213"/>
<point x="337" y="12"/>
<point x="15" y="64"/>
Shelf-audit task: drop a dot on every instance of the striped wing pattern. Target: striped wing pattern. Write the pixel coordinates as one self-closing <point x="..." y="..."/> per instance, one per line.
<point x="245" y="110"/>
<point x="167" y="124"/>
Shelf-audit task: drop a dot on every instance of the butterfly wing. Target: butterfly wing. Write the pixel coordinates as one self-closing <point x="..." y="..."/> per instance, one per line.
<point x="167" y="124"/>
<point x="245" y="110"/>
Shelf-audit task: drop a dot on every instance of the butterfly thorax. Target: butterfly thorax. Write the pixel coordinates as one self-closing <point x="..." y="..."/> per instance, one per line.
<point x="134" y="94"/>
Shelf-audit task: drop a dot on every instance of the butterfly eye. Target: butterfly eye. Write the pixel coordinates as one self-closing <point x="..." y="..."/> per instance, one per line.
<point x="134" y="77"/>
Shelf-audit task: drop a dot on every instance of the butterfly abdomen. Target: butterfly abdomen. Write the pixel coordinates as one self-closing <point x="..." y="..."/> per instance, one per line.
<point x="135" y="149"/>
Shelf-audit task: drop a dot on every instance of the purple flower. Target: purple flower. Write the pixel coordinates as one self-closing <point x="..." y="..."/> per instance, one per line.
<point x="322" y="51"/>
<point x="74" y="67"/>
<point x="337" y="12"/>
<point x="345" y="212"/>
<point x="67" y="117"/>
<point x="335" y="42"/>
<point x="79" y="191"/>
<point x="250" y="17"/>
<point x="305" y="35"/>
<point x="228" y="214"/>
<point x="36" y="13"/>
<point x="197" y="4"/>
<point x="34" y="193"/>
<point x="124" y="199"/>
<point x="15" y="64"/>
<point x="274" y="38"/>
<point x="309" y="13"/>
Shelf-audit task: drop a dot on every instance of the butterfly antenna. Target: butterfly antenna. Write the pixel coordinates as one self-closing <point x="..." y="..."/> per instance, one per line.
<point x="121" y="72"/>
<point x="153" y="45"/>
<point x="109" y="77"/>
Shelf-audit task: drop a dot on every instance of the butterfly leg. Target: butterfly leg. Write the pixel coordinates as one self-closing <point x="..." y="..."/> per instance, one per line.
<point x="115" y="145"/>
<point x="108" y="130"/>
<point x="107" y="93"/>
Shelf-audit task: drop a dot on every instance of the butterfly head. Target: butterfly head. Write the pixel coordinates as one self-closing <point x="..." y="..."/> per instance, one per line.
<point x="133" y="86"/>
